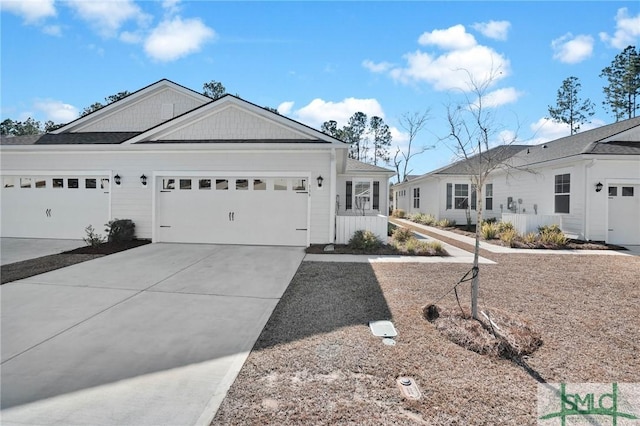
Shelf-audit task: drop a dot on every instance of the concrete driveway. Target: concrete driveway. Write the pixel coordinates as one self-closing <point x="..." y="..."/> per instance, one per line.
<point x="150" y="336"/>
<point x="18" y="249"/>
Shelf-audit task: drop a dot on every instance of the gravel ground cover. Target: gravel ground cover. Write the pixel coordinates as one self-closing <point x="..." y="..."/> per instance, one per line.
<point x="317" y="362"/>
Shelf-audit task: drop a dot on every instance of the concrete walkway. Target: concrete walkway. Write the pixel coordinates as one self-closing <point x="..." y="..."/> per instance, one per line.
<point x="18" y="249"/>
<point x="151" y="336"/>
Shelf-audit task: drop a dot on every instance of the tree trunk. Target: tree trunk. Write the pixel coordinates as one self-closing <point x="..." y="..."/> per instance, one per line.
<point x="475" y="283"/>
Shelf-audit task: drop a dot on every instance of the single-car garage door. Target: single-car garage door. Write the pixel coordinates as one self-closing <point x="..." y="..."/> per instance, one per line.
<point x="53" y="206"/>
<point x="232" y="210"/>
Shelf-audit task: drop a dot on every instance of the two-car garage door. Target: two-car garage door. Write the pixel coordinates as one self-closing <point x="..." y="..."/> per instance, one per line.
<point x="232" y="209"/>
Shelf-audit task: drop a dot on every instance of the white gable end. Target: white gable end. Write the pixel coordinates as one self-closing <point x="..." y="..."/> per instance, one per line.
<point x="231" y="123"/>
<point x="147" y="112"/>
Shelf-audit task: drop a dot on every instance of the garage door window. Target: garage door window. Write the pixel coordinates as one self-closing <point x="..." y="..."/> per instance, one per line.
<point x="41" y="183"/>
<point x="204" y="184"/>
<point x="613" y="191"/>
<point x="72" y="183"/>
<point x="299" y="184"/>
<point x="242" y="184"/>
<point x="627" y="191"/>
<point x="259" y="185"/>
<point x="104" y="184"/>
<point x="168" y="184"/>
<point x="280" y="185"/>
<point x="25" y="182"/>
<point x="8" y="182"/>
<point x="57" y="182"/>
<point x="185" y="183"/>
<point x="90" y="183"/>
<point x="222" y="184"/>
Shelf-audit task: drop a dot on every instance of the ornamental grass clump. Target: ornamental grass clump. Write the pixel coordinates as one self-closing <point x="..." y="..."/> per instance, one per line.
<point x="509" y="237"/>
<point x="489" y="231"/>
<point x="446" y="223"/>
<point x="399" y="213"/>
<point x="401" y="235"/>
<point x="552" y="235"/>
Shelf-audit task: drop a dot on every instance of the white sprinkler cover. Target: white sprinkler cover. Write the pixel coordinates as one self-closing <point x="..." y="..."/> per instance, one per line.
<point x="383" y="328"/>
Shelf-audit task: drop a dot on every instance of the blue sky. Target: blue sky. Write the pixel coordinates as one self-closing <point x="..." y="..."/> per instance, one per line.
<point x="317" y="61"/>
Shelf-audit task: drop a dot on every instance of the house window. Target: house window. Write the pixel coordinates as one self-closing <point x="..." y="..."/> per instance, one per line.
<point x="362" y="195"/>
<point x="461" y="196"/>
<point x="562" y="193"/>
<point x="348" y="195"/>
<point x="416" y="198"/>
<point x="488" y="189"/>
<point x="376" y="195"/>
<point x="613" y="191"/>
<point x="449" y="196"/>
<point x="627" y="191"/>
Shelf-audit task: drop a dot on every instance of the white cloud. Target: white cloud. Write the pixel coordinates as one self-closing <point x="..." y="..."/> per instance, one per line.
<point x="377" y="67"/>
<point x="501" y="97"/>
<point x="131" y="37"/>
<point x="318" y="111"/>
<point x="175" y="38"/>
<point x="54" y="30"/>
<point x="627" y="30"/>
<point x="32" y="11"/>
<point x="452" y="69"/>
<point x="56" y="111"/>
<point x="285" y="107"/>
<point x="455" y="37"/>
<point x="571" y="50"/>
<point x="497" y="30"/>
<point x="107" y="17"/>
<point x="171" y="6"/>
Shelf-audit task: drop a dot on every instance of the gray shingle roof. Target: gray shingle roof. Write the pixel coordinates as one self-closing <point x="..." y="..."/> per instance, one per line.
<point x="85" y="138"/>
<point x="214" y="141"/>
<point x="495" y="155"/>
<point x="359" y="166"/>
<point x="19" y="140"/>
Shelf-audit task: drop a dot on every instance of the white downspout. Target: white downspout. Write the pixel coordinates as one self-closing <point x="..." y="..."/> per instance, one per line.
<point x="586" y="229"/>
<point x="332" y="198"/>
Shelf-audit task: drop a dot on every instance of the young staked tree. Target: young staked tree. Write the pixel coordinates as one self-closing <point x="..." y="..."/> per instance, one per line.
<point x="471" y="129"/>
<point x="570" y="109"/>
<point x="412" y="123"/>
<point x="623" y="76"/>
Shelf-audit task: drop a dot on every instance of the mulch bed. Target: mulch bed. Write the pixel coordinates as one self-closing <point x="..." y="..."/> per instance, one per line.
<point x="29" y="268"/>
<point x="317" y="362"/>
<point x="385" y="249"/>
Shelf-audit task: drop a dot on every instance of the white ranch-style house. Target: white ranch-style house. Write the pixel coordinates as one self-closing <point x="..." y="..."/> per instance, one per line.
<point x="186" y="168"/>
<point x="588" y="183"/>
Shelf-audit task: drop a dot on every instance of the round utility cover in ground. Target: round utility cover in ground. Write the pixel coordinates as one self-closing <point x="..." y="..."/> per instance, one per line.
<point x="389" y="341"/>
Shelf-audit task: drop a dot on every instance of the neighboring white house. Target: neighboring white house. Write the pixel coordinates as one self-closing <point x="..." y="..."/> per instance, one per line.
<point x="184" y="168"/>
<point x="588" y="183"/>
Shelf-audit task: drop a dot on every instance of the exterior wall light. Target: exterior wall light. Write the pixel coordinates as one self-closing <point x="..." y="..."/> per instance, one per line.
<point x="599" y="186"/>
<point x="320" y="180"/>
<point x="143" y="180"/>
<point x="117" y="179"/>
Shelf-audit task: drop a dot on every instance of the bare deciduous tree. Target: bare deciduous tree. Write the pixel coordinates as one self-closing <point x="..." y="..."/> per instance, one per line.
<point x="472" y="130"/>
<point x="412" y="123"/>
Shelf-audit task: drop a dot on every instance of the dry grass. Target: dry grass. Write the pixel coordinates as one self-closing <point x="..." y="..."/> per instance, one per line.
<point x="317" y="362"/>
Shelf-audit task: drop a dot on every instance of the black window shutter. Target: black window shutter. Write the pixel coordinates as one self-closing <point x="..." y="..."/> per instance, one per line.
<point x="449" y="195"/>
<point x="376" y="195"/>
<point x="347" y="204"/>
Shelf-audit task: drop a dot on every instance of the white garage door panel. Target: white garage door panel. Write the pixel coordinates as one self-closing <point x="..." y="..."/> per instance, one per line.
<point x="48" y="212"/>
<point x="232" y="216"/>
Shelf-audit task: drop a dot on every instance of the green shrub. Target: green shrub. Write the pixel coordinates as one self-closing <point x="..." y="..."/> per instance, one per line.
<point x="490" y="220"/>
<point x="120" y="230"/>
<point x="399" y="213"/>
<point x="446" y="223"/>
<point x="93" y="239"/>
<point x="402" y="234"/>
<point x="509" y="237"/>
<point x="489" y="231"/>
<point x="364" y="240"/>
